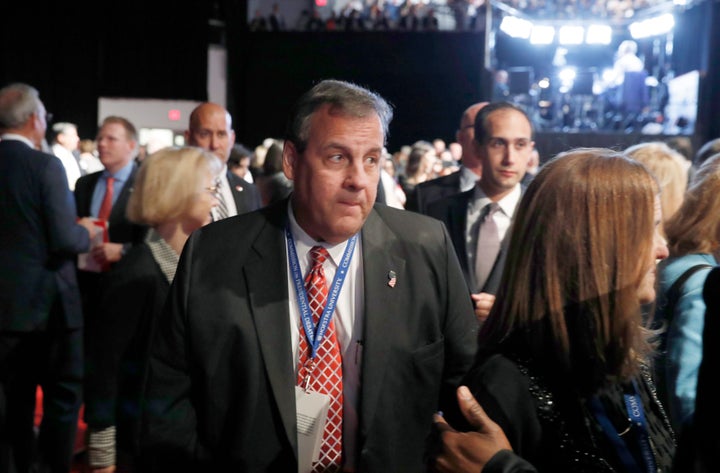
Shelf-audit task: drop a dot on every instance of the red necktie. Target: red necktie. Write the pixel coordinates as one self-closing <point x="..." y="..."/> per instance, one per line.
<point x="326" y="376"/>
<point x="106" y="206"/>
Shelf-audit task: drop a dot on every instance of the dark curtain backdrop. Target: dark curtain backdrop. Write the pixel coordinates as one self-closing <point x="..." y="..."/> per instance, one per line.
<point x="76" y="52"/>
<point x="430" y="78"/>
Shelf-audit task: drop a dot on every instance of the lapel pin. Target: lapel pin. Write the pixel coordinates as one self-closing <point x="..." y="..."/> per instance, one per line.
<point x="392" y="278"/>
<point x="239" y="188"/>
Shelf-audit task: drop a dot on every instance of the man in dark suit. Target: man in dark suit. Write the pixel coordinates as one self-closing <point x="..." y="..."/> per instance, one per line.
<point x="223" y="391"/>
<point x="210" y="128"/>
<point x="117" y="147"/>
<point x="458" y="181"/>
<point x="40" y="313"/>
<point x="503" y="142"/>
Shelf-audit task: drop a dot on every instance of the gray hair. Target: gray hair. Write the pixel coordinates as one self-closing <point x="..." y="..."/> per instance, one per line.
<point x="18" y="102"/>
<point x="61" y="128"/>
<point x="345" y="97"/>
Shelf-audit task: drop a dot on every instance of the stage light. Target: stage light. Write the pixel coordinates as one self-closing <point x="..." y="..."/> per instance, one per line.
<point x="570" y="34"/>
<point x="599" y="34"/>
<point x="542" y="34"/>
<point x="567" y="75"/>
<point x="652" y="27"/>
<point x="516" y="27"/>
<point x="544" y="83"/>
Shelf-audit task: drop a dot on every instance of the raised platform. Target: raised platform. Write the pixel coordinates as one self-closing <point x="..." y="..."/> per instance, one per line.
<point x="549" y="144"/>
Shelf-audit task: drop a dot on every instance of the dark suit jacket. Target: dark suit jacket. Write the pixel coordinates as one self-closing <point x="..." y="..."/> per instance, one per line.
<point x="221" y="384"/>
<point x="38" y="240"/>
<point x="698" y="447"/>
<point x="246" y="195"/>
<point x="452" y="211"/>
<point x="122" y="230"/>
<point x="432" y="190"/>
<point x="118" y="347"/>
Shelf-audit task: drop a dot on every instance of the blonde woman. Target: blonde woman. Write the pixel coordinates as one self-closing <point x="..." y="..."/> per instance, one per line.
<point x="173" y="194"/>
<point x="667" y="166"/>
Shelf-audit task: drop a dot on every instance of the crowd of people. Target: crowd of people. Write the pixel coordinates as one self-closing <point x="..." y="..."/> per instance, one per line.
<point x="414" y="15"/>
<point x="319" y="303"/>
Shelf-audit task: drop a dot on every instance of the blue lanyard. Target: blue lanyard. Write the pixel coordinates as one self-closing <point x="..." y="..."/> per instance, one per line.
<point x="636" y="413"/>
<point x="315" y="334"/>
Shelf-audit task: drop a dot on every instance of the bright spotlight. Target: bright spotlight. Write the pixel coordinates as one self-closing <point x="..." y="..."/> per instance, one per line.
<point x="652" y="27"/>
<point x="542" y="34"/>
<point x="567" y="75"/>
<point x="599" y="34"/>
<point x="516" y="27"/>
<point x="570" y="34"/>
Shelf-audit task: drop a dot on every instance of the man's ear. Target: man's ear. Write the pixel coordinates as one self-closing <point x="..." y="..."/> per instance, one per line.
<point x="290" y="157"/>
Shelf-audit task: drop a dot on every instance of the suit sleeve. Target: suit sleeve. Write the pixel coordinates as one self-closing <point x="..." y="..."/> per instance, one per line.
<point x="506" y="461"/>
<point x="64" y="234"/>
<point x="170" y="440"/>
<point x="413" y="200"/>
<point x="461" y="326"/>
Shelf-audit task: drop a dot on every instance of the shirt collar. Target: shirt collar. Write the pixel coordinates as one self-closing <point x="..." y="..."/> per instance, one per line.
<point x="16" y="137"/>
<point x="304" y="242"/>
<point x="123" y="174"/>
<point x="507" y="204"/>
<point x="467" y="179"/>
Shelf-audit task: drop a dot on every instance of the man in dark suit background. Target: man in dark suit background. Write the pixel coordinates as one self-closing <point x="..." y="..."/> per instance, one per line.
<point x="458" y="181"/>
<point x="211" y="128"/>
<point x="40" y="311"/>
<point x="223" y="393"/>
<point x="117" y="147"/>
<point x="503" y="142"/>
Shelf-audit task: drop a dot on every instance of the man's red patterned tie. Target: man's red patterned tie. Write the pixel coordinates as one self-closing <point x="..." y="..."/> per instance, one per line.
<point x="326" y="375"/>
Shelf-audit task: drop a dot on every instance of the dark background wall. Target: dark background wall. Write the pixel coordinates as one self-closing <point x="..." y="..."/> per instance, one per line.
<point x="158" y="49"/>
<point x="429" y="78"/>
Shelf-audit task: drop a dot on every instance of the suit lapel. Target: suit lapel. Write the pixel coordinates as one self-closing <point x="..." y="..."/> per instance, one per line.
<point x="84" y="195"/>
<point x="380" y="305"/>
<point x="117" y="214"/>
<point x="239" y="193"/>
<point x="457" y="217"/>
<point x="266" y="274"/>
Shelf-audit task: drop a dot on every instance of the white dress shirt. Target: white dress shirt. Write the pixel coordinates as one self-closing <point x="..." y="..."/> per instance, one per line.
<point x="502" y="218"/>
<point x="348" y="317"/>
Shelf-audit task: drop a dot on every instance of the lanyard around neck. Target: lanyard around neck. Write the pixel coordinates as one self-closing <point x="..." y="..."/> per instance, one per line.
<point x="636" y="415"/>
<point x="313" y="333"/>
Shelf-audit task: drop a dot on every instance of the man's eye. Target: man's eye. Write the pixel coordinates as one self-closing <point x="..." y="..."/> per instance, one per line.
<point x="495" y="143"/>
<point x="336" y="158"/>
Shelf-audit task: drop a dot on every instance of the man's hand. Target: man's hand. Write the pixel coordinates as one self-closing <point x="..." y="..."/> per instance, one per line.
<point x="483" y="302"/>
<point x="468" y="451"/>
<point x="107" y="253"/>
<point x="89" y="226"/>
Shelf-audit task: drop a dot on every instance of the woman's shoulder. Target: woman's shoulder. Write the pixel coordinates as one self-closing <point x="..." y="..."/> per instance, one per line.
<point x="671" y="269"/>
